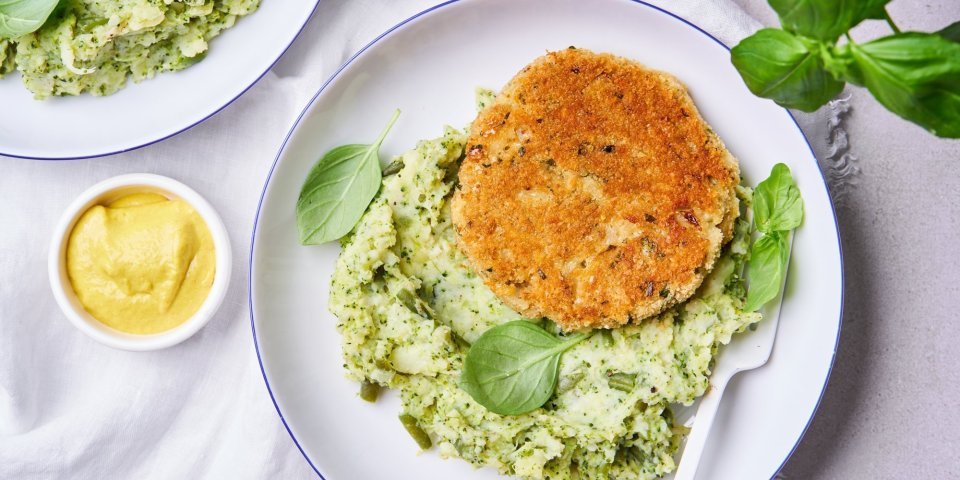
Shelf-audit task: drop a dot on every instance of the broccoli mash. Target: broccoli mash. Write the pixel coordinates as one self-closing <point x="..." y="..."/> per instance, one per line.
<point x="95" y="45"/>
<point x="409" y="307"/>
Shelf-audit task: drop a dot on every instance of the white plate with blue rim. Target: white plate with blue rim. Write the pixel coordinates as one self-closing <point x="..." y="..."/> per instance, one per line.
<point x="429" y="66"/>
<point x="84" y="126"/>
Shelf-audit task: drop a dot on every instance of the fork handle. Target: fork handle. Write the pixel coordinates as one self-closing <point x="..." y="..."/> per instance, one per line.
<point x="706" y="413"/>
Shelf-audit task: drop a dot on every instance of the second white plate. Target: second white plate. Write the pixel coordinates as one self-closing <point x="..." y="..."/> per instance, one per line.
<point x="153" y="110"/>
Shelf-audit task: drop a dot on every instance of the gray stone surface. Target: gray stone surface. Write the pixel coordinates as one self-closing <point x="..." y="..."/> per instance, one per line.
<point x="892" y="406"/>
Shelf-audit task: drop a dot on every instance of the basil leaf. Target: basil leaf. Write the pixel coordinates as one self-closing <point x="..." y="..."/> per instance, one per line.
<point x="776" y="202"/>
<point x="915" y="75"/>
<point x="20" y="17"/>
<point x="951" y="32"/>
<point x="767" y="267"/>
<point x="785" y="68"/>
<point x="338" y="190"/>
<point x="826" y="19"/>
<point x="513" y="368"/>
<point x="777" y="209"/>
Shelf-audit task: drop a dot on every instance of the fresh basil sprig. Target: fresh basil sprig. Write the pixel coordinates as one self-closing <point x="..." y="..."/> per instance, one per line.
<point x="777" y="209"/>
<point x="951" y="32"/>
<point x="915" y="75"/>
<point x="826" y="19"/>
<point x="20" y="17"/>
<point x="338" y="190"/>
<point x="785" y="68"/>
<point x="513" y="368"/>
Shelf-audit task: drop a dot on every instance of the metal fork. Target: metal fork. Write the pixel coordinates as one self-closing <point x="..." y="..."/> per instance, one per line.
<point x="747" y="352"/>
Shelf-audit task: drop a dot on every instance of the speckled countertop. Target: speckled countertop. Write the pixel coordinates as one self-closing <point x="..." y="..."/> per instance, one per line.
<point x="892" y="407"/>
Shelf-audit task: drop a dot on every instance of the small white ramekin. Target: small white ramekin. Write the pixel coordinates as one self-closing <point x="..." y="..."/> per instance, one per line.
<point x="111" y="189"/>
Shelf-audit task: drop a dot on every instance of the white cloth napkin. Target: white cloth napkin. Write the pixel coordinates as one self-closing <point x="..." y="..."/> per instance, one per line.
<point x="72" y="408"/>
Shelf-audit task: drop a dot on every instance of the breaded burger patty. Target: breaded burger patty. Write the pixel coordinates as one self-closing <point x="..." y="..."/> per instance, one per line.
<point x="592" y="192"/>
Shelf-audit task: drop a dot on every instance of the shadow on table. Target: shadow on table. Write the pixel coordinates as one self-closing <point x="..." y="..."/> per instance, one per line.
<point x="848" y="380"/>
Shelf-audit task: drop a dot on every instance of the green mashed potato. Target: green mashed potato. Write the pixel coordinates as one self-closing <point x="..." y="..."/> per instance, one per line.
<point x="409" y="307"/>
<point x="95" y="45"/>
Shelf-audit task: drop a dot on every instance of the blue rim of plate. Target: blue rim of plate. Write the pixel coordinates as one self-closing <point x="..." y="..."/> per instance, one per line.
<point x="194" y="124"/>
<point x="330" y="80"/>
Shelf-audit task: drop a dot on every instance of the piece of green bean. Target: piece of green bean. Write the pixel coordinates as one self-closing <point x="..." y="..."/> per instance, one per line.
<point x="418" y="434"/>
<point x="369" y="391"/>
<point x="88" y="24"/>
<point x="567" y="382"/>
<point x="607" y="337"/>
<point x="394" y="167"/>
<point x="621" y="381"/>
<point x="634" y="453"/>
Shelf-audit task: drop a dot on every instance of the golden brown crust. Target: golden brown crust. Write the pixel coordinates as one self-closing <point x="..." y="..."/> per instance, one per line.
<point x="592" y="192"/>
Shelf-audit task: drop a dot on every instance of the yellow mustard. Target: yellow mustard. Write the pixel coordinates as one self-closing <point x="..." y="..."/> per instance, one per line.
<point x="142" y="263"/>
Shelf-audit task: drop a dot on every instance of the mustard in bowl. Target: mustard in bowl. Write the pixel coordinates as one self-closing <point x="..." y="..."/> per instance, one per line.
<point x="139" y="262"/>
